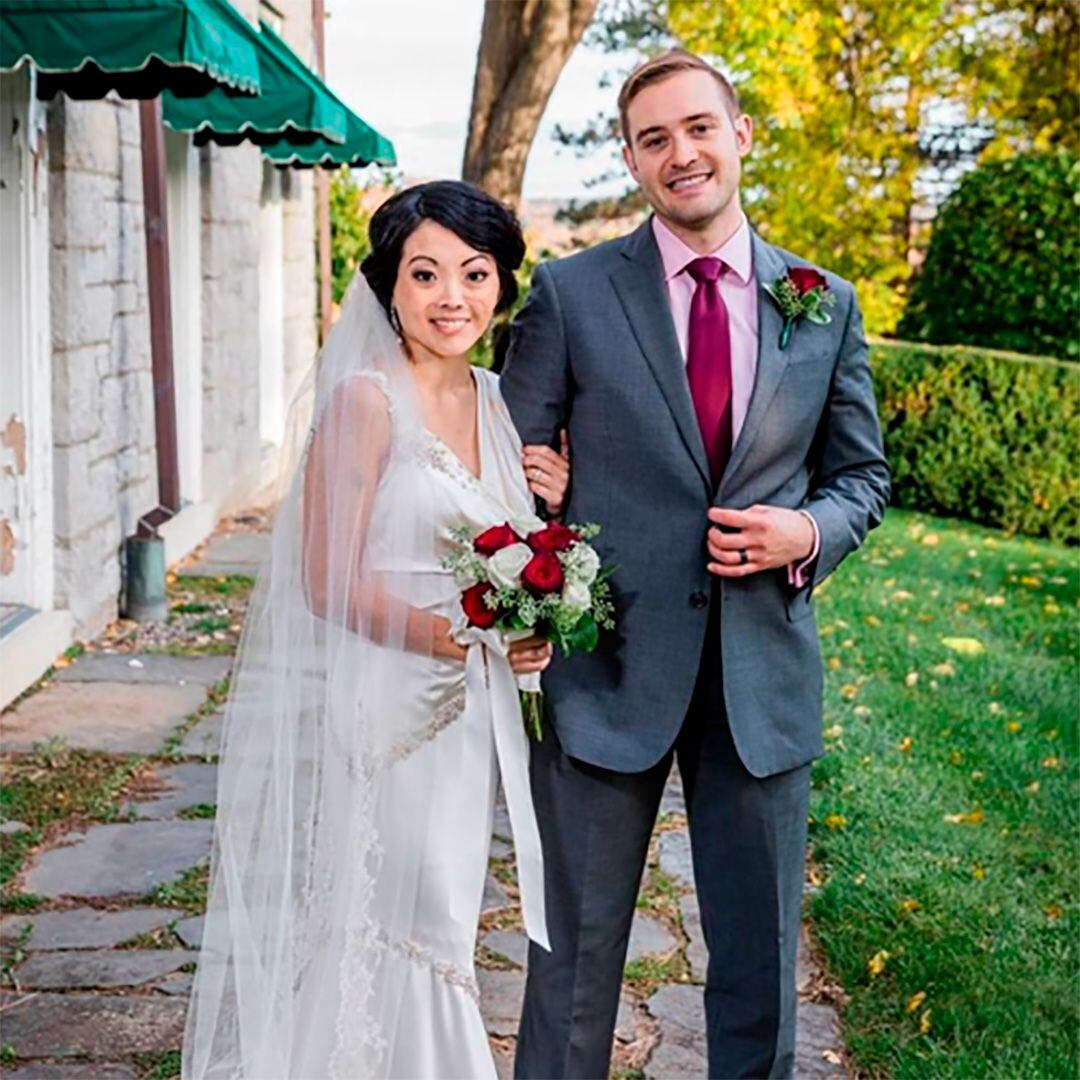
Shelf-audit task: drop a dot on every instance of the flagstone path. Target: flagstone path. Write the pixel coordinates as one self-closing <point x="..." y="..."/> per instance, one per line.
<point x="96" y="981"/>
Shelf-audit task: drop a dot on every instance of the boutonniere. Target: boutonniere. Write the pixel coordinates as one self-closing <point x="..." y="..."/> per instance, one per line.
<point x="802" y="293"/>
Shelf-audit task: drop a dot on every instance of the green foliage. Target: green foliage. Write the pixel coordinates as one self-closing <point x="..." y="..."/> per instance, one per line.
<point x="862" y="112"/>
<point x="945" y="814"/>
<point x="1003" y="269"/>
<point x="984" y="436"/>
<point x="349" y="221"/>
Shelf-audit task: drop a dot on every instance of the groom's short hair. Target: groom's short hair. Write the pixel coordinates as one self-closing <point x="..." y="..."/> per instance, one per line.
<point x="662" y="67"/>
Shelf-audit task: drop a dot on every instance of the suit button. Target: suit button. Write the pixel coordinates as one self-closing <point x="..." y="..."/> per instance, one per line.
<point x="699" y="600"/>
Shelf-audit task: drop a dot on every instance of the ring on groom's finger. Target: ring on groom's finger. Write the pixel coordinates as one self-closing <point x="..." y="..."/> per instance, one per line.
<point x="744" y="558"/>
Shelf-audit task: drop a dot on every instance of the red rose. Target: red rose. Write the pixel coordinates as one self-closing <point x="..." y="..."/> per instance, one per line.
<point x="543" y="573"/>
<point x="554" y="537"/>
<point x="805" y="278"/>
<point x="495" y="539"/>
<point x="478" y="613"/>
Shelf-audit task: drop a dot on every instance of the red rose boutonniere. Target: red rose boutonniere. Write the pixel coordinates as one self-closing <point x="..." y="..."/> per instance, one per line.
<point x="802" y="293"/>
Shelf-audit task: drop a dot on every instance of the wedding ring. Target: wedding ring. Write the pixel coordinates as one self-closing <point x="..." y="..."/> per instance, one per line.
<point x="744" y="558"/>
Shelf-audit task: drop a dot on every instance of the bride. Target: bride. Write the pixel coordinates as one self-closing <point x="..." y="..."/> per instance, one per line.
<point x="367" y="727"/>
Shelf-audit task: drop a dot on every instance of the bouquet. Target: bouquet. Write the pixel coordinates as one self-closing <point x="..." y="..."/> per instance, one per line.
<point x="526" y="577"/>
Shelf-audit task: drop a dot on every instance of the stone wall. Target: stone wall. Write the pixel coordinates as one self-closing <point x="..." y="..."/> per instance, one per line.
<point x="103" y="420"/>
<point x="231" y="182"/>
<point x="103" y="417"/>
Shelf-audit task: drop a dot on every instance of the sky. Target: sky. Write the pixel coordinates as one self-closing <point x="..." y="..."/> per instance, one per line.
<point x="406" y="67"/>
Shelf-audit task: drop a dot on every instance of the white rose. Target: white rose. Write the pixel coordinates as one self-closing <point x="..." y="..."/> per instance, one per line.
<point x="586" y="564"/>
<point x="505" y="565"/>
<point x="575" y="594"/>
<point x="524" y="524"/>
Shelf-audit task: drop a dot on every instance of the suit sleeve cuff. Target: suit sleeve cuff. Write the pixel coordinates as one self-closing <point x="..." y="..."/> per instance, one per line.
<point x="800" y="572"/>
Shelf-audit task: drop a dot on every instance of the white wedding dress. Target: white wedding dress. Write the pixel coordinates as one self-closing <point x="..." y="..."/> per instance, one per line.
<point x="355" y="816"/>
<point x="439" y="797"/>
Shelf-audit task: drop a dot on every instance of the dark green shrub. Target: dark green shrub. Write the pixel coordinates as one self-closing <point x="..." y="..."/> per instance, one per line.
<point x="991" y="437"/>
<point x="1003" y="268"/>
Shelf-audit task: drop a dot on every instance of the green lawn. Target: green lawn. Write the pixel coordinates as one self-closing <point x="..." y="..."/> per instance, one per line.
<point x="945" y="813"/>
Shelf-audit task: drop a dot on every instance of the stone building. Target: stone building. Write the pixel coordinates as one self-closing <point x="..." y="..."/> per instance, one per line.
<point x="77" y="436"/>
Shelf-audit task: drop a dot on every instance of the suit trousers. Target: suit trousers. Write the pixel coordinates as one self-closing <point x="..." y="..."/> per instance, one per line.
<point x="748" y="838"/>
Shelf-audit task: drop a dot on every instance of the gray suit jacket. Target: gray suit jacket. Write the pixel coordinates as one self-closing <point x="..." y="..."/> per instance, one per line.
<point x="595" y="350"/>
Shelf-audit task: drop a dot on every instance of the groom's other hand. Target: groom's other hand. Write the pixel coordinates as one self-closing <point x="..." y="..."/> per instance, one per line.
<point x="745" y="542"/>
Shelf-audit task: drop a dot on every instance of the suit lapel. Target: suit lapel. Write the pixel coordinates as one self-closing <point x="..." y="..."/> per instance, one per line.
<point x="642" y="291"/>
<point x="771" y="360"/>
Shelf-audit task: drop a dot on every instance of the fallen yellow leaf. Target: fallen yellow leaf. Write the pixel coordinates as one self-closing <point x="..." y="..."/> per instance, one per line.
<point x="832" y="1057"/>
<point x="1050" y="608"/>
<point x="1013" y="726"/>
<point x="931" y="539"/>
<point x="944" y="670"/>
<point x="1030" y="582"/>
<point x="834" y="663"/>
<point x="903" y="594"/>
<point x="966" y="646"/>
<point x="914" y="1002"/>
<point x="956" y="757"/>
<point x="995" y="601"/>
<point x="1033" y="788"/>
<point x="862" y="710"/>
<point x="1051" y="762"/>
<point x="835" y="821"/>
<point x="924" y="1023"/>
<point x="978" y="872"/>
<point x="972" y="817"/>
<point x="1054" y="912"/>
<point x="877" y="962"/>
<point x="911" y="678"/>
<point x="872" y="620"/>
<point x="849" y="691"/>
<point x="909" y="903"/>
<point x="834" y="732"/>
<point x="977" y="775"/>
<point x="859" y="879"/>
<point x="995" y="708"/>
<point x="906" y="743"/>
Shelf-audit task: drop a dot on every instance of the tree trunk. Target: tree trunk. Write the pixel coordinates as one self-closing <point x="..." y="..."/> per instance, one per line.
<point x="524" y="46"/>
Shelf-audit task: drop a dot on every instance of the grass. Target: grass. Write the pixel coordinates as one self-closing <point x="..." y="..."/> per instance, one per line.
<point x="187" y="892"/>
<point x="55" y="784"/>
<point x="158" y="1065"/>
<point x="945" y="815"/>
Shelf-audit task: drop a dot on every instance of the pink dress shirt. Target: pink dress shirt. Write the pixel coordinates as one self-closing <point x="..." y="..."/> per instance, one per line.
<point x="739" y="291"/>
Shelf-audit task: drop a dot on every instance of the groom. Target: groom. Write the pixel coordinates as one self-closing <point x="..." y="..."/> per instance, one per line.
<point x="730" y="475"/>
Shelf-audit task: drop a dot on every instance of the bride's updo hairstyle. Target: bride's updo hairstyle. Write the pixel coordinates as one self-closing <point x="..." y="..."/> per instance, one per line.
<point x="472" y="215"/>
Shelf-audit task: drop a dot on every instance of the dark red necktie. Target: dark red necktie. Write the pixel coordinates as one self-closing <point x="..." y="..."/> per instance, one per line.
<point x="708" y="362"/>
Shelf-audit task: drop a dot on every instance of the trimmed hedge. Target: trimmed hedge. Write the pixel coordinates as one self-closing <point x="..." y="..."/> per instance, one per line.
<point x="1003" y="268"/>
<point x="988" y="436"/>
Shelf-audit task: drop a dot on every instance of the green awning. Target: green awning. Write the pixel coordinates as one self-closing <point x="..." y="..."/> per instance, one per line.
<point x="362" y="146"/>
<point x="294" y="105"/>
<point x="136" y="47"/>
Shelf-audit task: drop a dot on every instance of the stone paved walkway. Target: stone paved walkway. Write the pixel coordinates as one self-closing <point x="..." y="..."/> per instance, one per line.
<point x="96" y="982"/>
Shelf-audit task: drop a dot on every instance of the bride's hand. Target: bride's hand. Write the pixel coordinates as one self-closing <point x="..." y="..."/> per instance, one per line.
<point x="532" y="654"/>
<point x="548" y="473"/>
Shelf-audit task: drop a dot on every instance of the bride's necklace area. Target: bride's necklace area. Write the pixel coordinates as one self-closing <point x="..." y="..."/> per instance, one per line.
<point x="454" y="422"/>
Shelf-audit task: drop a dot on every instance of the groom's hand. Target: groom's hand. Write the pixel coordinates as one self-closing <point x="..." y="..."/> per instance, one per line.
<point x="745" y="542"/>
